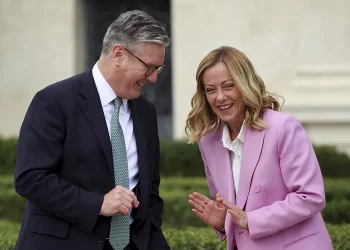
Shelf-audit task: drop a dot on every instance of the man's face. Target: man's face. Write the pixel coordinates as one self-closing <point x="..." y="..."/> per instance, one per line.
<point x="134" y="71"/>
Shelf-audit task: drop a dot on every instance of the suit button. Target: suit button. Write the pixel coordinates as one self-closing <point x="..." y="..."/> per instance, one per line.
<point x="257" y="188"/>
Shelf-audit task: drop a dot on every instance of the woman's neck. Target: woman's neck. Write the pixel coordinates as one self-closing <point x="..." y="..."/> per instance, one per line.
<point x="234" y="129"/>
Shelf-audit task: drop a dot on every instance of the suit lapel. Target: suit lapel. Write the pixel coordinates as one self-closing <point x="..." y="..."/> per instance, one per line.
<point x="225" y="170"/>
<point x="141" y="145"/>
<point x="92" y="109"/>
<point x="252" y="147"/>
<point x="225" y="178"/>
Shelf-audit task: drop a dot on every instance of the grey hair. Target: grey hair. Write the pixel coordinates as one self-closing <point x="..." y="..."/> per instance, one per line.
<point x="132" y="28"/>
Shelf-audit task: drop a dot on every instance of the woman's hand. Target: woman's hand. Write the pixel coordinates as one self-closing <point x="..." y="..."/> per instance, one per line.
<point x="211" y="212"/>
<point x="239" y="216"/>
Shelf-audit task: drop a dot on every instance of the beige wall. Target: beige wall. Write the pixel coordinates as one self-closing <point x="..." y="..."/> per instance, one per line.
<point x="37" y="47"/>
<point x="300" y="48"/>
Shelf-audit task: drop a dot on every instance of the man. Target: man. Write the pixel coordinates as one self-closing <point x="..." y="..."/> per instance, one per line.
<point x="88" y="150"/>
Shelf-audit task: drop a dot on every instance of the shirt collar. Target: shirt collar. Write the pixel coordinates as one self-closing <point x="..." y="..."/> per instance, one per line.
<point x="106" y="93"/>
<point x="226" y="138"/>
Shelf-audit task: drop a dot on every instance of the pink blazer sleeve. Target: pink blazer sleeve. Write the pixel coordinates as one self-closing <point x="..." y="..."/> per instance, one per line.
<point x="302" y="177"/>
<point x="212" y="188"/>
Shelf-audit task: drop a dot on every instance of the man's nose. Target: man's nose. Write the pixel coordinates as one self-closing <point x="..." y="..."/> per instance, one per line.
<point x="153" y="77"/>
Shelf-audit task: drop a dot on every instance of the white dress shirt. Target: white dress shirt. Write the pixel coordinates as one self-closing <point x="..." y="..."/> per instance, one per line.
<point x="107" y="96"/>
<point x="236" y="148"/>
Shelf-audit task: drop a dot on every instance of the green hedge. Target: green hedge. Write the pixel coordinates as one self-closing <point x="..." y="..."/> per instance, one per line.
<point x="8" y="234"/>
<point x="186" y="239"/>
<point x="205" y="238"/>
<point x="336" y="189"/>
<point x="11" y="205"/>
<point x="181" y="159"/>
<point x="334" y="164"/>
<point x="7" y="155"/>
<point x="177" y="212"/>
<point x="6" y="182"/>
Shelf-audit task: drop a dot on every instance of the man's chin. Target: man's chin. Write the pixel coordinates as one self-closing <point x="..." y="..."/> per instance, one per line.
<point x="134" y="94"/>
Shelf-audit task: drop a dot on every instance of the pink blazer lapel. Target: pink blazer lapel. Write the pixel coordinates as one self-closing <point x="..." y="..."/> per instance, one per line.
<point x="224" y="166"/>
<point x="252" y="146"/>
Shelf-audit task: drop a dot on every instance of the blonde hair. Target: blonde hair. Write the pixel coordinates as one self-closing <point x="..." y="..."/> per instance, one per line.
<point x="202" y="120"/>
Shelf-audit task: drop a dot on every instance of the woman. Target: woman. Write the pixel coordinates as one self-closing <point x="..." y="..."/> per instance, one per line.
<point x="260" y="165"/>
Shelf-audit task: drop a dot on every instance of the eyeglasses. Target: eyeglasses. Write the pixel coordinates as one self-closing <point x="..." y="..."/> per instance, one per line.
<point x="151" y="68"/>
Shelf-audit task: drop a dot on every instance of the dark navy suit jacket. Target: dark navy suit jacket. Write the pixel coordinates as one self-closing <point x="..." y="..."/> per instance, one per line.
<point x="64" y="167"/>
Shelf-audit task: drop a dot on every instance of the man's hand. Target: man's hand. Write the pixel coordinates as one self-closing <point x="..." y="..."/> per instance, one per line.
<point x="119" y="199"/>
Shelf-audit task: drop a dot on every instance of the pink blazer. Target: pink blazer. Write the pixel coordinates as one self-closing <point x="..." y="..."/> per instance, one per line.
<point x="281" y="187"/>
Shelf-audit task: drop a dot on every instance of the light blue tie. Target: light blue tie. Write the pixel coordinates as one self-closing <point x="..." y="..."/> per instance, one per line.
<point x="120" y="228"/>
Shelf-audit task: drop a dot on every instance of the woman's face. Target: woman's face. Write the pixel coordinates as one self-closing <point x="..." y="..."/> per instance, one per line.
<point x="223" y="95"/>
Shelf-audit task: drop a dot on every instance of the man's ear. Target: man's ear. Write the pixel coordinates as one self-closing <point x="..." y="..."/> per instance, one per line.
<point x="118" y="54"/>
